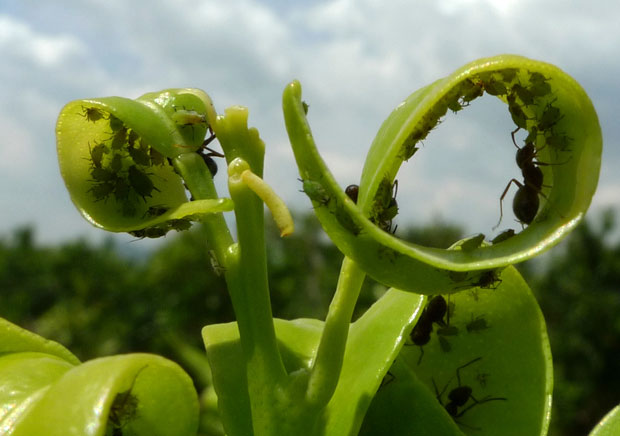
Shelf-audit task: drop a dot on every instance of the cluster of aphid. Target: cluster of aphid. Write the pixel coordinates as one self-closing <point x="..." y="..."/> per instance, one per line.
<point x="120" y="163"/>
<point x="526" y="93"/>
<point x="438" y="311"/>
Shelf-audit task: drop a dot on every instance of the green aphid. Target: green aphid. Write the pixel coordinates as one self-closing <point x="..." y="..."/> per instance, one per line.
<point x="102" y="174"/>
<point x="132" y="137"/>
<point x="119" y="140"/>
<point x="559" y="142"/>
<point x="455" y="106"/>
<point x="385" y="206"/>
<point x="316" y="192"/>
<point x="516" y="113"/>
<point x="121" y="189"/>
<point x="155" y="211"/>
<point x="470" y="90"/>
<point x="549" y="118"/>
<point x="93" y="114"/>
<point x="472" y="243"/>
<point x="508" y="74"/>
<point x="150" y="232"/>
<point x="494" y="87"/>
<point x="524" y="94"/>
<point x="101" y="191"/>
<point x="140" y="156"/>
<point x="116" y="164"/>
<point x="156" y="157"/>
<point x="140" y="182"/>
<point x="96" y="154"/>
<point x="180" y="224"/>
<point x="305" y="107"/>
<point x="506" y="234"/>
<point x="116" y="124"/>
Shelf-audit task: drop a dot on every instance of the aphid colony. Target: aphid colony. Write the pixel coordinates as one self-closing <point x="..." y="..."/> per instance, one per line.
<point x="531" y="104"/>
<point x="120" y="164"/>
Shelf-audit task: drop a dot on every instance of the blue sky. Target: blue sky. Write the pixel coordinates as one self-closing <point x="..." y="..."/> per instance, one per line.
<point x="356" y="61"/>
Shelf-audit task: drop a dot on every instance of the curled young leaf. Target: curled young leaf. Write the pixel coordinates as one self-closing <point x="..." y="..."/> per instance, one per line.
<point x="559" y="157"/>
<point x="114" y="155"/>
<point x="46" y="392"/>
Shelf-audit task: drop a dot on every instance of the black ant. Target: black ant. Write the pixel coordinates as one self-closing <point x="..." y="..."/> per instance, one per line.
<point x="526" y="202"/>
<point x="461" y="394"/>
<point x="434" y="312"/>
<point x="207" y="155"/>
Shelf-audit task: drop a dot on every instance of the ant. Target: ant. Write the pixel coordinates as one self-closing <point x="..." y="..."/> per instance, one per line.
<point x="207" y="156"/>
<point x="526" y="202"/>
<point x="461" y="394"/>
<point x="434" y="312"/>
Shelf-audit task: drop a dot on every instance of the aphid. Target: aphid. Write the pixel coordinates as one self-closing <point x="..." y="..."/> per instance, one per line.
<point x="476" y="324"/>
<point x="218" y="269"/>
<point x="539" y="87"/>
<point x="102" y="175"/>
<point x="93" y="114"/>
<point x="140" y="155"/>
<point x="180" y="224"/>
<point x="508" y="74"/>
<point x="506" y="234"/>
<point x="385" y="206"/>
<point x="461" y="395"/>
<point x="124" y="408"/>
<point x="121" y="190"/>
<point x="488" y="280"/>
<point x="470" y="91"/>
<point x="156" y="210"/>
<point x="494" y="87"/>
<point x="352" y="191"/>
<point x="472" y="243"/>
<point x="116" y="164"/>
<point x="315" y="191"/>
<point x="549" y="118"/>
<point x="96" y="154"/>
<point x="156" y="157"/>
<point x="115" y="123"/>
<point x="516" y="113"/>
<point x="150" y="232"/>
<point x="140" y="182"/>
<point x="119" y="139"/>
<point x="101" y="191"/>
<point x="524" y="94"/>
<point x="305" y="107"/>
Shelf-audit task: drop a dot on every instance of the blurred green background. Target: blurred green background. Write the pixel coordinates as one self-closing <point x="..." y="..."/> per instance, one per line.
<point x="98" y="300"/>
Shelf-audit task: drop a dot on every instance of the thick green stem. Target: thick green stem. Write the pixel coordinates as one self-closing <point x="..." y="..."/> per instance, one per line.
<point x="329" y="357"/>
<point x="199" y="181"/>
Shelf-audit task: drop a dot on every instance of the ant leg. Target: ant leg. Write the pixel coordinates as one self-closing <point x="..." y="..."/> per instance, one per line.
<point x="477" y="402"/>
<point x="501" y="199"/>
<point x="513" y="136"/>
<point x="458" y="375"/>
<point x="421" y="354"/>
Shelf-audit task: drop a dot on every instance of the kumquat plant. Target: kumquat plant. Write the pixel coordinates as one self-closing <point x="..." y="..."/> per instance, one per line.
<point x="456" y="346"/>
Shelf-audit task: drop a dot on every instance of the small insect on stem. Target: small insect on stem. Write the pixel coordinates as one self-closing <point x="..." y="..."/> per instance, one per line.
<point x="124" y="408"/>
<point x="352" y="192"/>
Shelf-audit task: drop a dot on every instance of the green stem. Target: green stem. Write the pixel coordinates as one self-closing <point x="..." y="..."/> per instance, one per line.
<point x="325" y="372"/>
<point x="199" y="181"/>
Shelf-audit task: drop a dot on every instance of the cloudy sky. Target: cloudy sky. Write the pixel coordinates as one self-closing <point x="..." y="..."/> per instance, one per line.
<point x="356" y="61"/>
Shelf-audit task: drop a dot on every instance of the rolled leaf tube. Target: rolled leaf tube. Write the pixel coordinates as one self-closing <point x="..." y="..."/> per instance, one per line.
<point x="544" y="102"/>
<point x="114" y="155"/>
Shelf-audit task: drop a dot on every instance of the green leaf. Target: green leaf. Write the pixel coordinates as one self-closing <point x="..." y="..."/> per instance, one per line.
<point x="560" y="121"/>
<point x="374" y="342"/>
<point x="609" y="425"/>
<point x="44" y="394"/>
<point x="502" y="348"/>
<point x="113" y="154"/>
